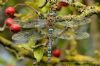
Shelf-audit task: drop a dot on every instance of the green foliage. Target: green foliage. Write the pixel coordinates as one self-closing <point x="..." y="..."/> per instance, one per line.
<point x="38" y="53"/>
<point x="26" y="14"/>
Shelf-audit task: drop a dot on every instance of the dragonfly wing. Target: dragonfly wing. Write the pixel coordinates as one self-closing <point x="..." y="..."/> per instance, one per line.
<point x="75" y="22"/>
<point x="82" y="35"/>
<point x="83" y="21"/>
<point x="79" y="37"/>
<point x="22" y="37"/>
<point x="35" y="23"/>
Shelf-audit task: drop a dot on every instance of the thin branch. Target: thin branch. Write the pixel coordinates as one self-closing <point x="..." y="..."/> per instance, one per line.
<point x="23" y="4"/>
<point x="40" y="45"/>
<point x="78" y="4"/>
<point x="89" y="10"/>
<point x="77" y="59"/>
<point x="3" y="28"/>
<point x="44" y="4"/>
<point x="8" y="44"/>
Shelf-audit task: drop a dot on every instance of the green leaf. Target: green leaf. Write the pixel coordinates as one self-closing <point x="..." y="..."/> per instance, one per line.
<point x="38" y="53"/>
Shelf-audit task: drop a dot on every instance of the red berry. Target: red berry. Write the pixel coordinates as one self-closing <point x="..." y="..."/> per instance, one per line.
<point x="56" y="53"/>
<point x="15" y="28"/>
<point x="10" y="11"/>
<point x="9" y="21"/>
<point x="62" y="4"/>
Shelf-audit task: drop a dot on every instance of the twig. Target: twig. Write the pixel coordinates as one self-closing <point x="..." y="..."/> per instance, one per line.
<point x="18" y="50"/>
<point x="3" y="28"/>
<point x="39" y="45"/>
<point x="42" y="5"/>
<point x="75" y="59"/>
<point x="78" y="4"/>
<point x="23" y="4"/>
<point x="90" y="10"/>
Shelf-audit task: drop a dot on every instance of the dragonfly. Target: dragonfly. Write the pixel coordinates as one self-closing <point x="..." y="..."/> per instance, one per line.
<point x="59" y="27"/>
<point x="54" y="26"/>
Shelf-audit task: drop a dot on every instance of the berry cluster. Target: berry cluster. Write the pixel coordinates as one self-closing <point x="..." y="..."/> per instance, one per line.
<point x="9" y="11"/>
